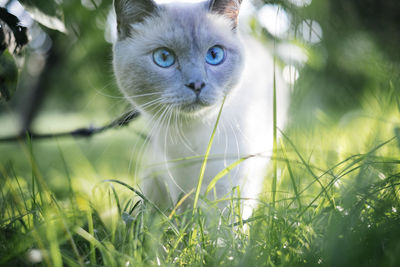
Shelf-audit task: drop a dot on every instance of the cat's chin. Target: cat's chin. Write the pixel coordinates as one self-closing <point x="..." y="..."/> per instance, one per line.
<point x="196" y="109"/>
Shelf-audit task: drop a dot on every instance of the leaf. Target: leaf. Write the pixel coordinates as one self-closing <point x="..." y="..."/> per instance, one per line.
<point x="3" y="43"/>
<point x="8" y="75"/>
<point x="47" y="13"/>
<point x="12" y="35"/>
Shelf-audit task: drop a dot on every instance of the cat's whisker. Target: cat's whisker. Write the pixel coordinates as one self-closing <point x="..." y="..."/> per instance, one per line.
<point x="100" y="91"/>
<point x="167" y="125"/>
<point x="157" y="100"/>
<point x="184" y="137"/>
<point x="171" y="130"/>
<point x="181" y="135"/>
<point x="156" y="121"/>
<point x="236" y="141"/>
<point x="236" y="123"/>
<point x="166" y="159"/>
<point x="139" y="152"/>
<point x="110" y="96"/>
<point x="226" y="144"/>
<point x="176" y="126"/>
<point x="115" y="106"/>
<point x="143" y="146"/>
<point x="155" y="103"/>
<point x="141" y="95"/>
<point x="151" y="105"/>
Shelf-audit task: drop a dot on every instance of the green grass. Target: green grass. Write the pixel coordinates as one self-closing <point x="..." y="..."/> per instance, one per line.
<point x="332" y="199"/>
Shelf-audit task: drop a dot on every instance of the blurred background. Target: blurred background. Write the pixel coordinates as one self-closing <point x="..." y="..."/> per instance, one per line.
<point x="66" y="82"/>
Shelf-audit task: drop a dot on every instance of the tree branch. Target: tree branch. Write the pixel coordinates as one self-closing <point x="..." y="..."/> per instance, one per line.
<point x="123" y="120"/>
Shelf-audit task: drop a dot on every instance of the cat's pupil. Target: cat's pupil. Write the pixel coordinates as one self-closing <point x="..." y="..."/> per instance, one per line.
<point x="213" y="54"/>
<point x="164" y="56"/>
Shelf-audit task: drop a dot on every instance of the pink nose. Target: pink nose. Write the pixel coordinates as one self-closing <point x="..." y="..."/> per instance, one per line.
<point x="196" y="86"/>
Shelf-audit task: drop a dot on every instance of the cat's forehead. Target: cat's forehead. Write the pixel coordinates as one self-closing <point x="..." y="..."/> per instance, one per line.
<point x="185" y="26"/>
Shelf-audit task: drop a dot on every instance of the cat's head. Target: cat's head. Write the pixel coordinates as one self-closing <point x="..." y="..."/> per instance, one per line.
<point x="183" y="58"/>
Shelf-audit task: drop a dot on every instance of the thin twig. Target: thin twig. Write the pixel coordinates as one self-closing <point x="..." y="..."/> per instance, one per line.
<point x="123" y="120"/>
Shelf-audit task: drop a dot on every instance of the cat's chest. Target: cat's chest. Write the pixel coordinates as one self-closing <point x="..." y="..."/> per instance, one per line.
<point x="179" y="154"/>
<point x="179" y="140"/>
<point x="187" y="144"/>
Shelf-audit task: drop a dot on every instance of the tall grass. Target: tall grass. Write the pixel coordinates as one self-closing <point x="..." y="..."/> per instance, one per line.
<point x="334" y="202"/>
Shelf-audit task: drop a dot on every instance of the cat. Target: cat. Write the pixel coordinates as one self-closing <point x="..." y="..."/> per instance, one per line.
<point x="177" y="63"/>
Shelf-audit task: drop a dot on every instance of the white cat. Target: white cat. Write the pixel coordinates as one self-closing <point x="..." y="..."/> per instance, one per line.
<point x="176" y="63"/>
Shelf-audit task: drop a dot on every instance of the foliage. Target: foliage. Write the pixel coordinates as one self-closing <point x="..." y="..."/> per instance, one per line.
<point x="12" y="37"/>
<point x="8" y="75"/>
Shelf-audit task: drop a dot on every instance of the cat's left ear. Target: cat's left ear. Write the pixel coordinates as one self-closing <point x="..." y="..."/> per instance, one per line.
<point x="227" y="8"/>
<point x="130" y="12"/>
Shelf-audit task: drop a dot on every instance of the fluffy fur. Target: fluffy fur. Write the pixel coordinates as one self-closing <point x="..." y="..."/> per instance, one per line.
<point x="181" y="122"/>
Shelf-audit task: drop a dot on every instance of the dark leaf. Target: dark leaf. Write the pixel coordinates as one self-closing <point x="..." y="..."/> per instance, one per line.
<point x="8" y="76"/>
<point x="12" y="35"/>
<point x="47" y="13"/>
<point x="3" y="44"/>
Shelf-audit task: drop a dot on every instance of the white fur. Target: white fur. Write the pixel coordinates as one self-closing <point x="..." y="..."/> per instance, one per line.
<point x="245" y="128"/>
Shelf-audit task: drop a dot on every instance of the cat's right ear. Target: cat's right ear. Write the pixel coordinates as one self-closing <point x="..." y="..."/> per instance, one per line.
<point x="131" y="11"/>
<point x="227" y="8"/>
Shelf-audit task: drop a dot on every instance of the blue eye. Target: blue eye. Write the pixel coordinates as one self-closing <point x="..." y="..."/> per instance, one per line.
<point x="163" y="57"/>
<point x="215" y="55"/>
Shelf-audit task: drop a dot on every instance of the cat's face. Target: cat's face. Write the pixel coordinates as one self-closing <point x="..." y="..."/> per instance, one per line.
<point x="183" y="58"/>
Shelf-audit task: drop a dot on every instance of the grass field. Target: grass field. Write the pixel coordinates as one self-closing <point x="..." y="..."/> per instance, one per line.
<point x="333" y="202"/>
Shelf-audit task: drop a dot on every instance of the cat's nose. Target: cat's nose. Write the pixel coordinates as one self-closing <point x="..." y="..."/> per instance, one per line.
<point x="196" y="86"/>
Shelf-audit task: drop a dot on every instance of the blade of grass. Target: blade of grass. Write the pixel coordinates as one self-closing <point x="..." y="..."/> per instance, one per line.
<point x="316" y="178"/>
<point x="358" y="158"/>
<point x="146" y="200"/>
<point x="68" y="175"/>
<point x="112" y="218"/>
<point x="61" y="215"/>
<point x="346" y="171"/>
<point x="289" y="168"/>
<point x="116" y="199"/>
<point x="19" y="187"/>
<point x="239" y="212"/>
<point x="180" y="203"/>
<point x="204" y="164"/>
<point x="224" y="172"/>
<point x="69" y="261"/>
<point x="177" y="242"/>
<point x="127" y="205"/>
<point x="135" y="206"/>
<point x="54" y="247"/>
<point x="92" y="253"/>
<point x="274" y="129"/>
<point x="107" y="258"/>
<point x="16" y="207"/>
<point x="323" y="174"/>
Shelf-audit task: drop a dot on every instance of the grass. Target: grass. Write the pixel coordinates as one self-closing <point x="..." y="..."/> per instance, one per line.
<point x="333" y="201"/>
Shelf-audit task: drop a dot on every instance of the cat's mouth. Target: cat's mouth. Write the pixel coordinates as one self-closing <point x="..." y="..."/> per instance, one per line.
<point x="196" y="106"/>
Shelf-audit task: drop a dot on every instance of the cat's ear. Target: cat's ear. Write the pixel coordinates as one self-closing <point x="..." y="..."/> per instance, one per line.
<point x="130" y="12"/>
<point x="227" y="8"/>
